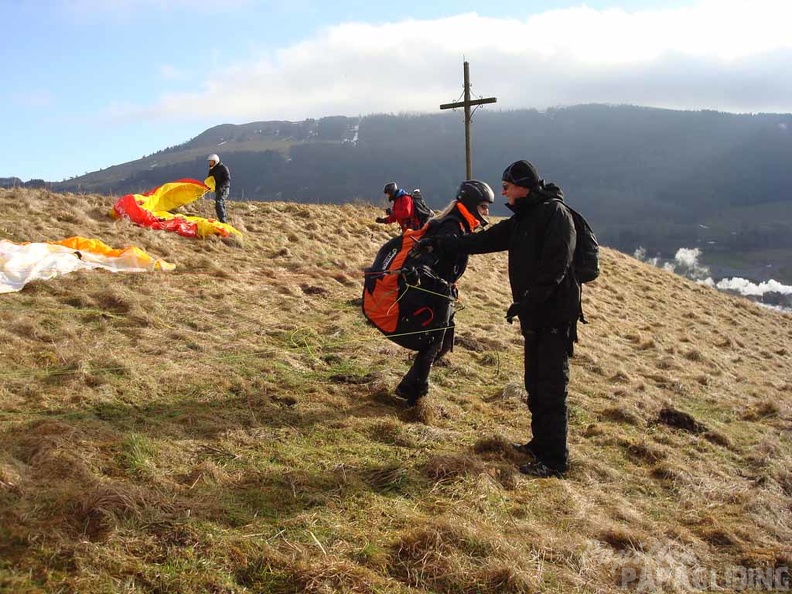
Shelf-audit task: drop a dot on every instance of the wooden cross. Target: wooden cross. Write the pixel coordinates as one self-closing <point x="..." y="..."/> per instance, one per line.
<point x="467" y="103"/>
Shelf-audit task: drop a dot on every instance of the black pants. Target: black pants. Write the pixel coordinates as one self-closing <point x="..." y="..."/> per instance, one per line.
<point x="416" y="381"/>
<point x="220" y="207"/>
<point x="546" y="381"/>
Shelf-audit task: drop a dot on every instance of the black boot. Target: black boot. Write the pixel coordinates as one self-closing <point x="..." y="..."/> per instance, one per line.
<point x="539" y="469"/>
<point x="418" y="392"/>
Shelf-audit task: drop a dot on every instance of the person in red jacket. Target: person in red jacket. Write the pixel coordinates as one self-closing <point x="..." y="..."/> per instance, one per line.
<point x="402" y="211"/>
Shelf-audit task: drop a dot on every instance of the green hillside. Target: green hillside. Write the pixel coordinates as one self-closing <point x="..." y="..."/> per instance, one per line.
<point x="229" y="427"/>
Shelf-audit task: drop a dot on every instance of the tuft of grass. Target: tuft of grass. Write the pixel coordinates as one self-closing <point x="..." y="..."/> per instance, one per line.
<point x="136" y="454"/>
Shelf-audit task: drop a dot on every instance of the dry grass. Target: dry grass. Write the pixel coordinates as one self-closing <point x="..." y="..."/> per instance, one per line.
<point x="229" y="427"/>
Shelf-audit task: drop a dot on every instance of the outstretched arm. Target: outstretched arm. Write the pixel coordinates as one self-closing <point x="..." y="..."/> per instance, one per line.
<point x="494" y="239"/>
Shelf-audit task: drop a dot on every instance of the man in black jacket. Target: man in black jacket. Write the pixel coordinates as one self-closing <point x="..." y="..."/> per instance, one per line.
<point x="222" y="178"/>
<point x="540" y="238"/>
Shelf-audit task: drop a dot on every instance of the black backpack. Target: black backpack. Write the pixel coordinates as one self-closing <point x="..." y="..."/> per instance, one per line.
<point x="422" y="211"/>
<point x="585" y="261"/>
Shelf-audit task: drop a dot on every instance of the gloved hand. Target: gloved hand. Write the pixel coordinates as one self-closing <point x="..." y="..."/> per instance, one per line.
<point x="411" y="276"/>
<point x="388" y="211"/>
<point x="381" y="220"/>
<point x="513" y="312"/>
<point x="427" y="244"/>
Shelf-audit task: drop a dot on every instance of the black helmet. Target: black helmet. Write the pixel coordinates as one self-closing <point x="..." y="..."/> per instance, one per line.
<point x="390" y="189"/>
<point x="473" y="192"/>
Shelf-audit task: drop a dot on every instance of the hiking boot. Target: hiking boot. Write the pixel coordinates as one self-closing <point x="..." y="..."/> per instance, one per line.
<point x="411" y="392"/>
<point x="402" y="392"/>
<point x="526" y="448"/>
<point x="419" y="391"/>
<point x="541" y="470"/>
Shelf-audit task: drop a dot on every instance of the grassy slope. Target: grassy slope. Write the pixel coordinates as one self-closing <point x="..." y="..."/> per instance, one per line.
<point x="228" y="427"/>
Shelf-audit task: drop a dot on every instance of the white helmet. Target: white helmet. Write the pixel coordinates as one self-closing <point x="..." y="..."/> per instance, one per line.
<point x="214" y="158"/>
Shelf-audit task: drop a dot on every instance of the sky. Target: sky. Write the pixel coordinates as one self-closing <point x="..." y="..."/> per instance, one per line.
<point x="87" y="84"/>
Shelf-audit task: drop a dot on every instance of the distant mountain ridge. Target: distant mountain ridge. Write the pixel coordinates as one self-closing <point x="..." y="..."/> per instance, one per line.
<point x="648" y="177"/>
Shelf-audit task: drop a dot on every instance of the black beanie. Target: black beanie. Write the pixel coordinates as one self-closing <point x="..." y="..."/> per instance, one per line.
<point x="521" y="173"/>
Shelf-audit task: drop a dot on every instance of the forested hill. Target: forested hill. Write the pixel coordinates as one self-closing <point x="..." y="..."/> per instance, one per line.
<point x="656" y="178"/>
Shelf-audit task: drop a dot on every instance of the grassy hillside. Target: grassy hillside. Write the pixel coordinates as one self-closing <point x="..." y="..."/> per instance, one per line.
<point x="229" y="426"/>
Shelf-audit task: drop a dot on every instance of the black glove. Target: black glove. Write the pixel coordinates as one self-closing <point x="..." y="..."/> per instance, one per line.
<point x="411" y="276"/>
<point x="514" y="311"/>
<point x="427" y="244"/>
<point x="381" y="219"/>
<point x="388" y="211"/>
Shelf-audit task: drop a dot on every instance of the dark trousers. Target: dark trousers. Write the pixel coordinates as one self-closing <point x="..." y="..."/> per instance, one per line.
<point x="546" y="381"/>
<point x="416" y="381"/>
<point x="220" y="197"/>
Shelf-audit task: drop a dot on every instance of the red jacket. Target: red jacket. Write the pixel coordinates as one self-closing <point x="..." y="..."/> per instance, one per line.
<point x="402" y="212"/>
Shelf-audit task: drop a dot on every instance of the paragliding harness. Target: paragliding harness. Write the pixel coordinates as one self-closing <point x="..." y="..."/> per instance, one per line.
<point x="403" y="297"/>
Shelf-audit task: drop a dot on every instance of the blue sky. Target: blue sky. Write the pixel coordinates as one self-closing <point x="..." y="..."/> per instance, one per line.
<point x="92" y="83"/>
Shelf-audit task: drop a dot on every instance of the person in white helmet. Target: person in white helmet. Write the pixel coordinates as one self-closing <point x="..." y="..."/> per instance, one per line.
<point x="222" y="178"/>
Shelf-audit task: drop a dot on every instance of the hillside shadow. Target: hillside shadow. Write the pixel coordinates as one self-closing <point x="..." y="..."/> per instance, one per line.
<point x="80" y="464"/>
<point x="196" y="418"/>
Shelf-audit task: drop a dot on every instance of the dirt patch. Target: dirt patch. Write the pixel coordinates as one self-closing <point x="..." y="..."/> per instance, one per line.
<point x="680" y="420"/>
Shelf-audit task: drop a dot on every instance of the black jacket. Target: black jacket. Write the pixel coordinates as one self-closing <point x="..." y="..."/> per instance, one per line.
<point x="221" y="176"/>
<point x="540" y="238"/>
<point x="450" y="267"/>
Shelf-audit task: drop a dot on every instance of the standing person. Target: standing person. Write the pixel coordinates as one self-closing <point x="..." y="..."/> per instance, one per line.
<point x="222" y="178"/>
<point x="402" y="211"/>
<point x="540" y="238"/>
<point x="461" y="217"/>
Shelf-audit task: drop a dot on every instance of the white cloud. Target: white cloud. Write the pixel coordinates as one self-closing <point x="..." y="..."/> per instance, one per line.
<point x="746" y="287"/>
<point x="686" y="263"/>
<point x="688" y="257"/>
<point x="729" y="55"/>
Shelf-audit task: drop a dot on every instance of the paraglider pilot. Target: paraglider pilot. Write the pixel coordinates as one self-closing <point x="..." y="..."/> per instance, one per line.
<point x="222" y="178"/>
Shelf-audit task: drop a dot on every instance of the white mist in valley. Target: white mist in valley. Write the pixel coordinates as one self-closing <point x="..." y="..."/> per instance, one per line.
<point x="686" y="263"/>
